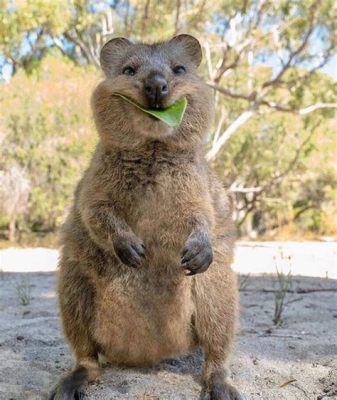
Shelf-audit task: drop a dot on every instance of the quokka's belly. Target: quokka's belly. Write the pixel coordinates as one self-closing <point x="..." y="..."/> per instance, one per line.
<point x="140" y="324"/>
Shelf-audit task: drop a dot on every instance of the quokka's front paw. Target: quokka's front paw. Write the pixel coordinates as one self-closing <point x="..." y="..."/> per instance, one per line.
<point x="130" y="250"/>
<point x="197" y="254"/>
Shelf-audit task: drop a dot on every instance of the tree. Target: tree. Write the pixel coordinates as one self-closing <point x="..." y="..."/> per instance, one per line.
<point x="275" y="106"/>
<point x="48" y="133"/>
<point x="296" y="38"/>
<point x="26" y="29"/>
<point x="14" y="193"/>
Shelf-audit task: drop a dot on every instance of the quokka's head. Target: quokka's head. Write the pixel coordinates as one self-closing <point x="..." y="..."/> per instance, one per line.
<point x="154" y="76"/>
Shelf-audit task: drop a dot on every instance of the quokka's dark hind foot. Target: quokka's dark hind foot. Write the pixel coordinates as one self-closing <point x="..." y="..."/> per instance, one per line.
<point x="217" y="388"/>
<point x="72" y="386"/>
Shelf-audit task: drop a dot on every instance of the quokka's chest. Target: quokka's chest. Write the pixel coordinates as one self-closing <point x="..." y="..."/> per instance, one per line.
<point x="153" y="182"/>
<point x="153" y="167"/>
<point x="141" y="176"/>
<point x="158" y="197"/>
<point x="155" y="200"/>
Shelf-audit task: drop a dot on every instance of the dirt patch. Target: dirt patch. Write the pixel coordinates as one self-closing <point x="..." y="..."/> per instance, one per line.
<point x="297" y="360"/>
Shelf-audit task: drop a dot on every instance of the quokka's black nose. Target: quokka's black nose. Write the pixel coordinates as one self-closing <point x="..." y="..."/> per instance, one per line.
<point x="156" y="88"/>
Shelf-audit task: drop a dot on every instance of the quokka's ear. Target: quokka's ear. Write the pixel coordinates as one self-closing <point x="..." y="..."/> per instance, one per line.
<point x="190" y="46"/>
<point x="111" y="54"/>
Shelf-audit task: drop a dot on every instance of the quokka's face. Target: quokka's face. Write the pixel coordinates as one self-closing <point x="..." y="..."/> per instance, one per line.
<point x="154" y="76"/>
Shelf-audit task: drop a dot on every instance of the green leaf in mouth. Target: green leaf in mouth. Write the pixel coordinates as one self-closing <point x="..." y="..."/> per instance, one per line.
<point x="172" y="115"/>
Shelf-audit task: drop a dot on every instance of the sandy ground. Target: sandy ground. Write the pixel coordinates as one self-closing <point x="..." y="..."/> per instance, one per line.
<point x="316" y="259"/>
<point x="297" y="360"/>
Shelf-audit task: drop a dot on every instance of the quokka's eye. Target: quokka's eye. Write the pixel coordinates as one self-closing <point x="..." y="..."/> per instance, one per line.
<point x="179" y="70"/>
<point x="129" y="71"/>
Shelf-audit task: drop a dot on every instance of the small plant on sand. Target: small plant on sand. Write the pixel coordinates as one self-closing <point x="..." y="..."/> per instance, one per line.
<point x="23" y="290"/>
<point x="284" y="283"/>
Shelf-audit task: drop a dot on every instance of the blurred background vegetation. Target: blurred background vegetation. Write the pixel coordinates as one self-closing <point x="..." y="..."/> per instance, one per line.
<point x="273" y="68"/>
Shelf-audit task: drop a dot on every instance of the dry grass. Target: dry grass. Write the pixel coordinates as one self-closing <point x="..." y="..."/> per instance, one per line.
<point x="284" y="283"/>
<point x="24" y="292"/>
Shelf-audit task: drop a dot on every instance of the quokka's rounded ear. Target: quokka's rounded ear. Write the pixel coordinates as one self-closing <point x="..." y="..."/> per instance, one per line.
<point x="112" y="52"/>
<point x="191" y="47"/>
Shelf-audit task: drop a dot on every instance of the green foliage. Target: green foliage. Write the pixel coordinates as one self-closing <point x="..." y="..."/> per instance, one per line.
<point x="291" y="163"/>
<point x="49" y="133"/>
<point x="30" y="21"/>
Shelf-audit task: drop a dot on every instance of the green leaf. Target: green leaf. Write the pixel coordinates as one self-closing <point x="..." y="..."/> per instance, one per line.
<point x="172" y="115"/>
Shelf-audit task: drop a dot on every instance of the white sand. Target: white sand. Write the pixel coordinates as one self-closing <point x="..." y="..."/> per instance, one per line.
<point x="304" y="349"/>
<point x="317" y="259"/>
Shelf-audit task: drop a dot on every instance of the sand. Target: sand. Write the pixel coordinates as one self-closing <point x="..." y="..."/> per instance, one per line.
<point x="297" y="360"/>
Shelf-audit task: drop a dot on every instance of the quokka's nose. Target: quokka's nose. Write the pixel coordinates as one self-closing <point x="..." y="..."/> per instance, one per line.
<point x="156" y="88"/>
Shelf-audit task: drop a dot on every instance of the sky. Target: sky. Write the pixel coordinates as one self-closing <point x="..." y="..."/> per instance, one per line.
<point x="331" y="68"/>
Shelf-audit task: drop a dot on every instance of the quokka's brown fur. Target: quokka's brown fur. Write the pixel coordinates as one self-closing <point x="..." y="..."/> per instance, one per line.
<point x="147" y="210"/>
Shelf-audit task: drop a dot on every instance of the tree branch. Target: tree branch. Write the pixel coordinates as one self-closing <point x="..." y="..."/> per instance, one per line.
<point x="177" y="18"/>
<point x="218" y="130"/>
<point x="223" y="67"/>
<point x="35" y="46"/>
<point x="235" y="125"/>
<point x="315" y="107"/>
<point x="208" y="59"/>
<point x="78" y="42"/>
<point x="58" y="44"/>
<point x="238" y="189"/>
<point x="145" y="18"/>
<point x="296" y="52"/>
<point x="92" y="49"/>
<point x="301" y="111"/>
<point x="226" y="92"/>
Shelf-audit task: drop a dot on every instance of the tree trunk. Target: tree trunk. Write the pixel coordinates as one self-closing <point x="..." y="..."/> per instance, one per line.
<point x="12" y="229"/>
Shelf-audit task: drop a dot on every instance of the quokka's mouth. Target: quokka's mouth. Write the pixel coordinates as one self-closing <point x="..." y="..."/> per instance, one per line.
<point x="172" y="115"/>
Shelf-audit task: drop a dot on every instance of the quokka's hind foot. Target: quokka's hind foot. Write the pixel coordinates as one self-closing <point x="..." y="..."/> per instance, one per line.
<point x="217" y="388"/>
<point x="72" y="386"/>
